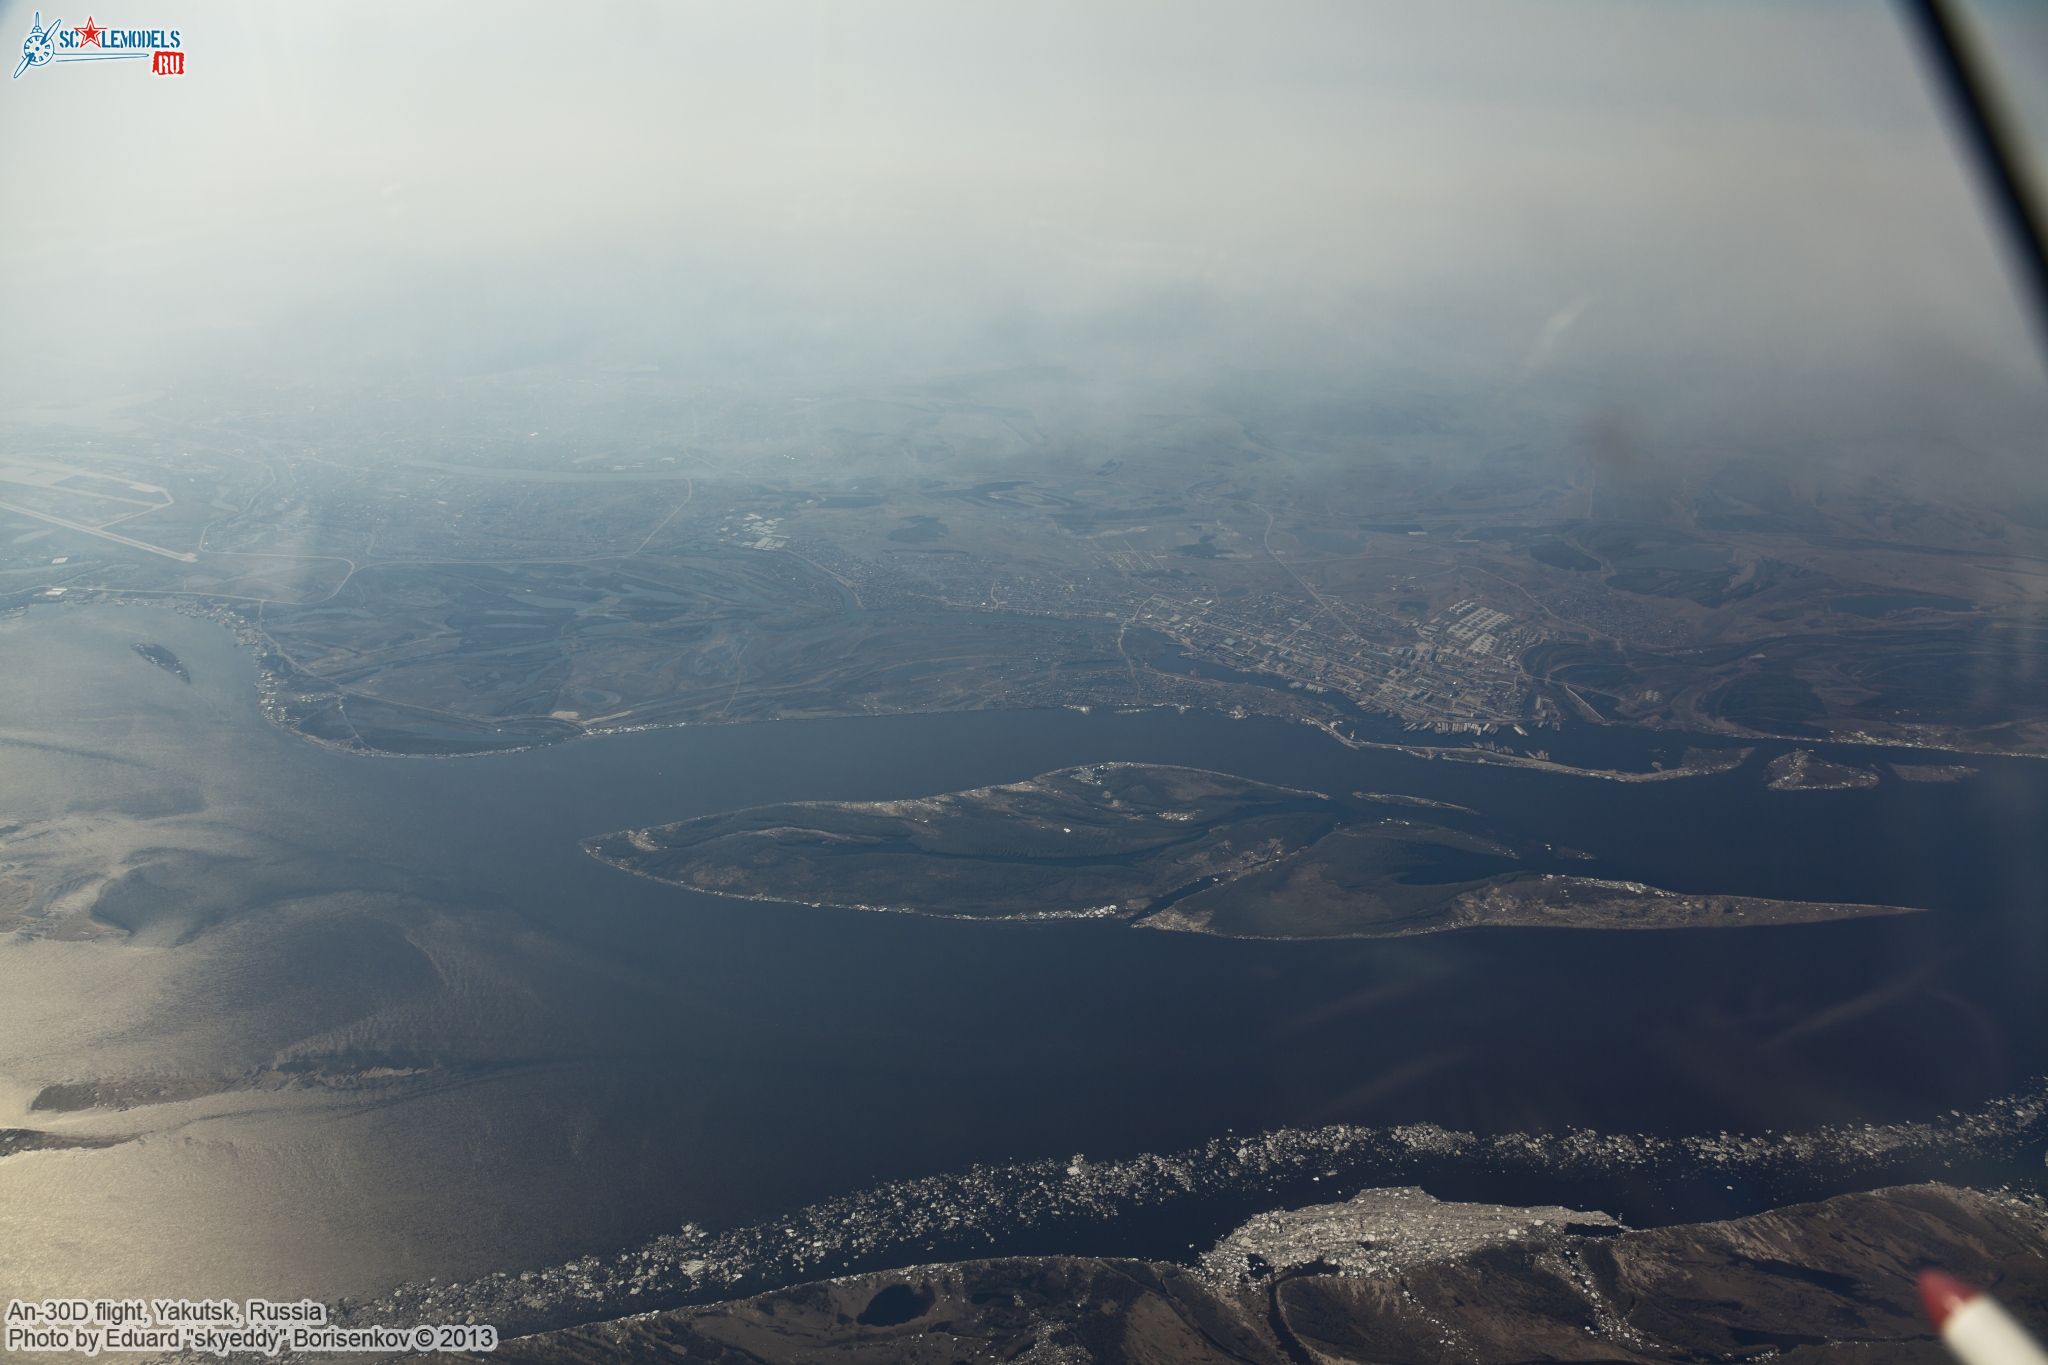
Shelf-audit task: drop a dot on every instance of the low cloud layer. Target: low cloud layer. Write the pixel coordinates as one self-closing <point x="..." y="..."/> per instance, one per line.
<point x="1695" y="213"/>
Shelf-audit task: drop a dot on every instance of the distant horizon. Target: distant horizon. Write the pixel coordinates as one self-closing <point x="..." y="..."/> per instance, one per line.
<point x="1740" y="223"/>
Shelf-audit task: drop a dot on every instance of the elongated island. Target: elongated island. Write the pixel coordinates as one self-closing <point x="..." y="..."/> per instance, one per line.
<point x="1163" y="847"/>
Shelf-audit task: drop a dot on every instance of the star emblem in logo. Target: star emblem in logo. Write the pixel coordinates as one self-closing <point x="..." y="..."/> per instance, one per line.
<point x="89" y="36"/>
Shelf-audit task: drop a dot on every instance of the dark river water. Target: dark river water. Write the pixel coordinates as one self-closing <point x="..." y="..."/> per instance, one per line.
<point x="588" y="1057"/>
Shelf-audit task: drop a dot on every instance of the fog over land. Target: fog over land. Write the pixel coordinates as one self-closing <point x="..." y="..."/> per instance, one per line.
<point x="1735" y="223"/>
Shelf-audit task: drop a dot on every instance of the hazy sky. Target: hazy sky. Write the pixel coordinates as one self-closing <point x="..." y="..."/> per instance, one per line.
<point x="1698" y="206"/>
